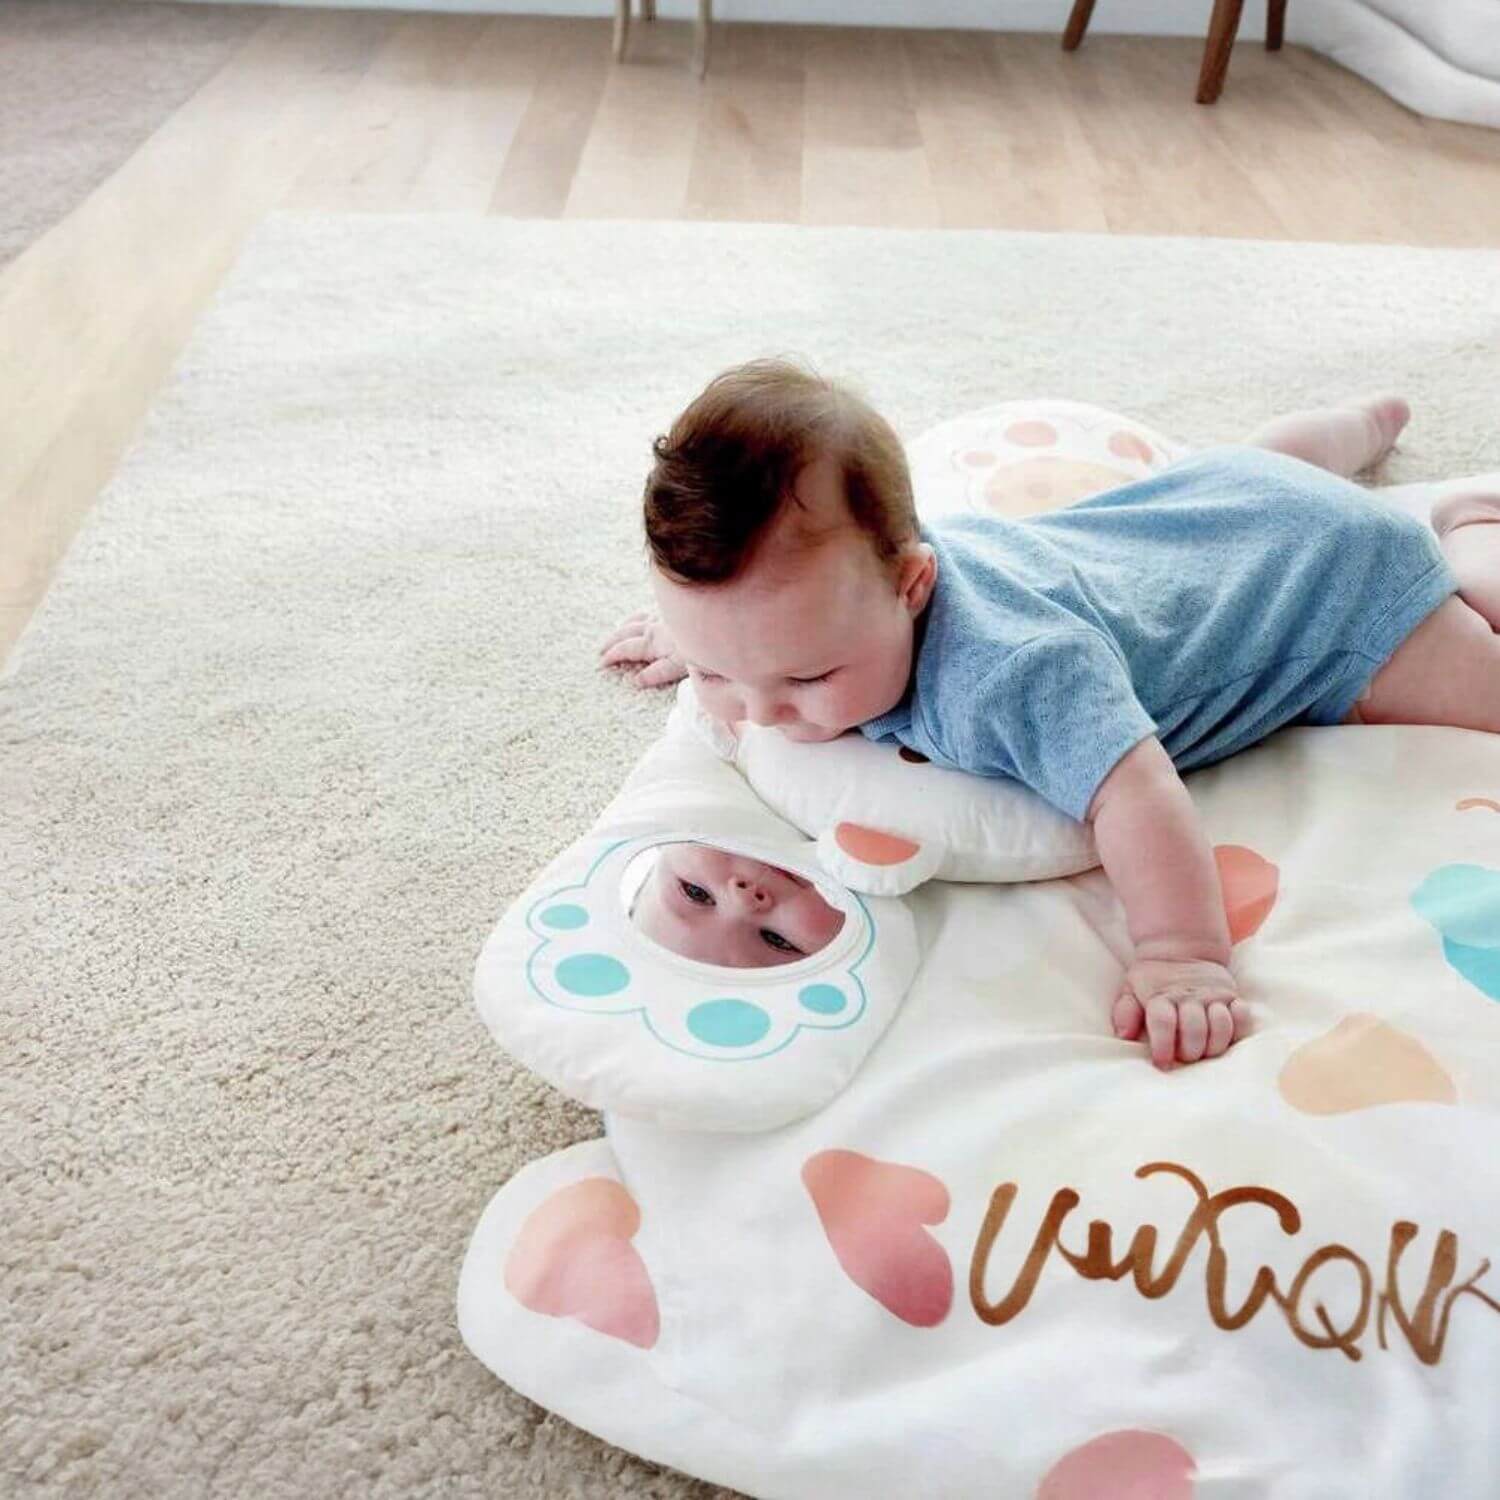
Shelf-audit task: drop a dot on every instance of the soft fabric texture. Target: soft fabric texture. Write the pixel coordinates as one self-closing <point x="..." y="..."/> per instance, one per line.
<point x="315" y="695"/>
<point x="1013" y="1259"/>
<point x="1233" y="593"/>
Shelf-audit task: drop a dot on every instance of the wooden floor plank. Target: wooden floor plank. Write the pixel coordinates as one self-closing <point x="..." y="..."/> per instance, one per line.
<point x="573" y="62"/>
<point x="747" y="153"/>
<point x="863" y="157"/>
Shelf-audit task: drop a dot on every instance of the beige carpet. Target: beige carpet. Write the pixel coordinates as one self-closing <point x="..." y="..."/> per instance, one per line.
<point x="83" y="83"/>
<point x="313" y="696"/>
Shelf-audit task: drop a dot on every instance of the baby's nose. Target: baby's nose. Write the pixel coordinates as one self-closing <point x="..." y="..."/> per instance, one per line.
<point x="751" y="891"/>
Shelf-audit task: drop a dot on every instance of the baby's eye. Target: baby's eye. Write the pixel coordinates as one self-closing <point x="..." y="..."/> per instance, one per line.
<point x="803" y="681"/>
<point x="708" y="676"/>
<point x="779" y="943"/>
<point x="695" y="893"/>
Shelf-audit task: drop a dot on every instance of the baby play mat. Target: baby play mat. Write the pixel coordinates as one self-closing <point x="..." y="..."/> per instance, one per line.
<point x="843" y="1238"/>
<point x="1012" y="1259"/>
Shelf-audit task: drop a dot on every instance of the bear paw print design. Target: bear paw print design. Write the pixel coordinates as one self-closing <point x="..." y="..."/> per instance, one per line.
<point x="1027" y="458"/>
<point x="587" y="959"/>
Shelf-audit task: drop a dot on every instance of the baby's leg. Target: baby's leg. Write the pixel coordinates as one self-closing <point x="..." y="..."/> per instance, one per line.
<point x="1447" y="671"/>
<point x="1342" y="439"/>
<point x="1468" y="525"/>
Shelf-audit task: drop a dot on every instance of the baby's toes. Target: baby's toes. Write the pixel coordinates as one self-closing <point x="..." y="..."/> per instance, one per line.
<point x="1128" y="1017"/>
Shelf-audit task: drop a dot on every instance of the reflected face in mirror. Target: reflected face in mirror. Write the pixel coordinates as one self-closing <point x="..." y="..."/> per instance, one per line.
<point x="721" y="908"/>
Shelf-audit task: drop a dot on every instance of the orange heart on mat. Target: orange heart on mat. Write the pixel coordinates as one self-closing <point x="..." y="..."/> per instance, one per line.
<point x="873" y="1213"/>
<point x="573" y="1259"/>
<point x="1362" y="1063"/>
<point x="873" y="846"/>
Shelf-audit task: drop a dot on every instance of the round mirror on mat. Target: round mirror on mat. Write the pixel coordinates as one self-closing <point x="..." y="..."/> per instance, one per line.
<point x="714" y="906"/>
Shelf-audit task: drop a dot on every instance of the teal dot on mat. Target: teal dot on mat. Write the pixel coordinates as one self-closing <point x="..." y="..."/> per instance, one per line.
<point x="728" y="1023"/>
<point x="592" y="974"/>
<point x="825" y="999"/>
<point x="566" y="916"/>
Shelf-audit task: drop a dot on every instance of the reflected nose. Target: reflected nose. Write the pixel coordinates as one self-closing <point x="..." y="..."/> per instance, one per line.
<point x="751" y="892"/>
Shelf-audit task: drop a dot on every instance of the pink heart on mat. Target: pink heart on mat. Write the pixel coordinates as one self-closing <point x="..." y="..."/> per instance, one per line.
<point x="1250" y="883"/>
<point x="873" y="1213"/>
<point x="573" y="1259"/>
<point x="1131" y="1464"/>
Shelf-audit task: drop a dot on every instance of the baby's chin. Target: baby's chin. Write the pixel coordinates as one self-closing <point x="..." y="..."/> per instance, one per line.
<point x="806" y="734"/>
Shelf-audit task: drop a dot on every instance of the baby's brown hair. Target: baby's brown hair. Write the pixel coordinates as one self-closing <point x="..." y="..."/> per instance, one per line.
<point x="732" y="459"/>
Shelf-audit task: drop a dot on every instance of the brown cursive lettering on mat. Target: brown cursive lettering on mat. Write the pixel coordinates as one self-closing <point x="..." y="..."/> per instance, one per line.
<point x="1425" y="1325"/>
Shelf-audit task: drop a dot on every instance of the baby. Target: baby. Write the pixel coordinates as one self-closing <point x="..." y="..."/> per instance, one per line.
<point x="1093" y="653"/>
<point x="722" y="908"/>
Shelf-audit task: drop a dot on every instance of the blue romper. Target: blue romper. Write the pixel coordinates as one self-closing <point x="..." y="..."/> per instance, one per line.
<point x="1235" y="592"/>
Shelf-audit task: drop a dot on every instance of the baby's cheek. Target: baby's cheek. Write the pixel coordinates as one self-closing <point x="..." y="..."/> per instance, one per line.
<point x="715" y="702"/>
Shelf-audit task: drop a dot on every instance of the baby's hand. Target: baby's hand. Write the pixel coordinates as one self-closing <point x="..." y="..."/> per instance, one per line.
<point x="643" y="638"/>
<point x="1190" y="1009"/>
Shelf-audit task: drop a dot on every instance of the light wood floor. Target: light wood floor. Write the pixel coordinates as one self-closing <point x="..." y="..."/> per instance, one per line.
<point x="349" y="111"/>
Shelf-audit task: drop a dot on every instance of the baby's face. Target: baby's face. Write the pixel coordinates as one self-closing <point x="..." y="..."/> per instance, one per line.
<point x="811" y="640"/>
<point x="722" y="908"/>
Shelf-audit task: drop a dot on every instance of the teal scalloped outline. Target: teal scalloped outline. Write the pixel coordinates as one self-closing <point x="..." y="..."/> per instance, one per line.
<point x="641" y="1011"/>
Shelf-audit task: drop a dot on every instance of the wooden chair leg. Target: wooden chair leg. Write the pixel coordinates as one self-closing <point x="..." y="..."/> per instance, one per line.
<point x="1221" y="34"/>
<point x="1078" y="23"/>
<point x="1275" y="24"/>
<point x="648" y="10"/>
<point x="622" y="28"/>
<point x="700" y="37"/>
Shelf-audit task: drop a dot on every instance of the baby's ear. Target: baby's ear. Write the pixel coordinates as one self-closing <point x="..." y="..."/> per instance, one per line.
<point x="916" y="574"/>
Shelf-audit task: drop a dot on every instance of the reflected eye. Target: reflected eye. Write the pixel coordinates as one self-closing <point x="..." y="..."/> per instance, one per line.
<point x="695" y="893"/>
<point x="779" y="943"/>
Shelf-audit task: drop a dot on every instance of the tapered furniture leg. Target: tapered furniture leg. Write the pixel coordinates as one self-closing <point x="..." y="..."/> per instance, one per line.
<point x="700" y="37"/>
<point x="1275" y="24"/>
<point x="1221" y="34"/>
<point x="648" y="10"/>
<point x="1078" y="23"/>
<point x="622" y="28"/>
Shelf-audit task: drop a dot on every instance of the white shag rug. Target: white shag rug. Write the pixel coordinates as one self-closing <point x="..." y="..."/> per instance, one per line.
<point x="314" y="694"/>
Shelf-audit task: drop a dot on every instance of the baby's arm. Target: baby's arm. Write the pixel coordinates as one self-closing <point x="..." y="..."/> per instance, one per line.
<point x="1154" y="851"/>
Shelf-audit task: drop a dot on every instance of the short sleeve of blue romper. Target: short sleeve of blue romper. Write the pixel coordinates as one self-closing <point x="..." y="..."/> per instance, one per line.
<point x="1235" y="592"/>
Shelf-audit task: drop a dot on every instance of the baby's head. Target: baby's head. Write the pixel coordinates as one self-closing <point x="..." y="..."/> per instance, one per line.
<point x="722" y="908"/>
<point x="786" y="561"/>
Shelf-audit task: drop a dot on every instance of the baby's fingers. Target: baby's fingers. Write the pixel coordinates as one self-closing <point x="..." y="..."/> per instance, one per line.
<point x="1192" y="1031"/>
<point x="1240" y="1014"/>
<point x="1161" y="1030"/>
<point x="1128" y="1017"/>
<point x="1220" y="1029"/>
<point x="634" y="626"/>
<point x="631" y="648"/>
<point x="661" y="672"/>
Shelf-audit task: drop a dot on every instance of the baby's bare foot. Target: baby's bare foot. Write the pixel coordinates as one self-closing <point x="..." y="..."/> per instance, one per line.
<point x="1387" y="415"/>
